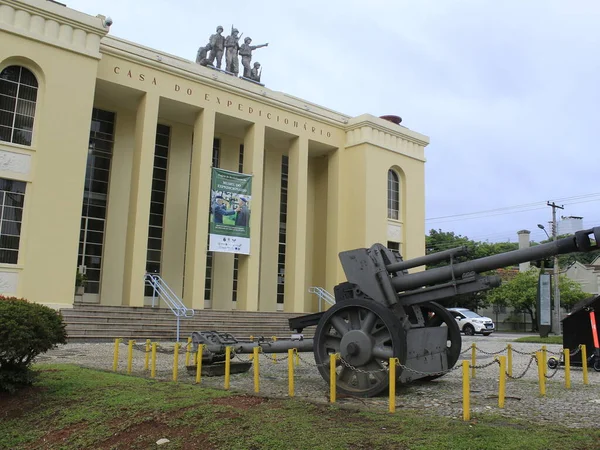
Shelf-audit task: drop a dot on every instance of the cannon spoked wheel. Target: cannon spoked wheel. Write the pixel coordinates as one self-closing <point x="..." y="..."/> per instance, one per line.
<point x="441" y="316"/>
<point x="366" y="335"/>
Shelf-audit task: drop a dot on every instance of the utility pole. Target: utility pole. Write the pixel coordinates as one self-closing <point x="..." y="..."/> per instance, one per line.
<point x="556" y="323"/>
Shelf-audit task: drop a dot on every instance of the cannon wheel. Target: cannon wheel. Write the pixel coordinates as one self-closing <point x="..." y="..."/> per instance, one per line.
<point x="440" y="317"/>
<point x="366" y="335"/>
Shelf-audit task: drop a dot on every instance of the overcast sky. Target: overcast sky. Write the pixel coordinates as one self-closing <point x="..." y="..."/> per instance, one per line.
<point x="507" y="92"/>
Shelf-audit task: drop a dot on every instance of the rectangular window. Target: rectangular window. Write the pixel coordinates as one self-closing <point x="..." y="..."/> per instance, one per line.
<point x="12" y="199"/>
<point x="236" y="257"/>
<point x="282" y="229"/>
<point x="209" y="255"/>
<point x="95" y="198"/>
<point x="157" y="203"/>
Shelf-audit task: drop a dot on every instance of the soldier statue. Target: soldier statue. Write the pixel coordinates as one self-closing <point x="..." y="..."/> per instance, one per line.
<point x="217" y="43"/>
<point x="201" y="57"/>
<point x="246" y="54"/>
<point x="255" y="72"/>
<point x="232" y="47"/>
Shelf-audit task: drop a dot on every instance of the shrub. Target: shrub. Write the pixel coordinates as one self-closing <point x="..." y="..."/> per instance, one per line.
<point x="26" y="330"/>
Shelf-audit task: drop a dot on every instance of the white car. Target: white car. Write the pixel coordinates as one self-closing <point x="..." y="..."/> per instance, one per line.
<point x="470" y="322"/>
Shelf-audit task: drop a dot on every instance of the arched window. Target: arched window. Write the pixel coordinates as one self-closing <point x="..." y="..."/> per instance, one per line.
<point x="18" y="94"/>
<point x="393" y="195"/>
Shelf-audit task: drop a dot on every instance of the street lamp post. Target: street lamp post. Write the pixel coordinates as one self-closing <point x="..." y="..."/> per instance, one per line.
<point x="556" y="321"/>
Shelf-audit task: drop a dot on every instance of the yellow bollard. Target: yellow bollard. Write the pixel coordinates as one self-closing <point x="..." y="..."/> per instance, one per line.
<point x="176" y="361"/>
<point x="332" y="377"/>
<point x="544" y="359"/>
<point x="584" y="363"/>
<point x="256" y="372"/>
<point x="473" y="359"/>
<point x="187" y="352"/>
<point x="502" y="383"/>
<point x="291" y="372"/>
<point x="274" y="355"/>
<point x="509" y="359"/>
<point x="542" y="378"/>
<point x="227" y="366"/>
<point x="567" y="368"/>
<point x="153" y="371"/>
<point x="116" y="355"/>
<point x="199" y="363"/>
<point x="130" y="355"/>
<point x="147" y="355"/>
<point x="466" y="391"/>
<point x="392" y="380"/>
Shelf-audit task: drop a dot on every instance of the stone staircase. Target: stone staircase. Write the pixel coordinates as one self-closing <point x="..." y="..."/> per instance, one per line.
<point x="94" y="323"/>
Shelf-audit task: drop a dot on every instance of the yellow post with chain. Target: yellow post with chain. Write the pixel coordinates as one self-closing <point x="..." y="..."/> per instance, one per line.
<point x="291" y="372"/>
<point x="130" y="355"/>
<point x="116" y="355"/>
<point x="466" y="391"/>
<point x="473" y="359"/>
<point x="502" y="382"/>
<point x="256" y="369"/>
<point x="274" y="355"/>
<point x="392" y="380"/>
<point x="227" y="366"/>
<point x="187" y="352"/>
<point x="509" y="359"/>
<point x="567" y="353"/>
<point x="332" y="377"/>
<point x="153" y="371"/>
<point x="541" y="376"/>
<point x="176" y="361"/>
<point x="199" y="363"/>
<point x="147" y="355"/>
<point x="584" y="363"/>
<point x="544" y="359"/>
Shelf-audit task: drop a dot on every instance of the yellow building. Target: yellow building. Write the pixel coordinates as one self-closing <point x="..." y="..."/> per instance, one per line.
<point x="106" y="150"/>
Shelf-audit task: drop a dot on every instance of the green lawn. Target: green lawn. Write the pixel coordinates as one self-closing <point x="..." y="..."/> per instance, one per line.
<point x="72" y="407"/>
<point x="539" y="340"/>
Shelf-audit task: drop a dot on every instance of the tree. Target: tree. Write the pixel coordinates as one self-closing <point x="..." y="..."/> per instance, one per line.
<point x="521" y="293"/>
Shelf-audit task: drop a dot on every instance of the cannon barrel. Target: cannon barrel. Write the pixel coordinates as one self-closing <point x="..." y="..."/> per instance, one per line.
<point x="580" y="242"/>
<point x="428" y="259"/>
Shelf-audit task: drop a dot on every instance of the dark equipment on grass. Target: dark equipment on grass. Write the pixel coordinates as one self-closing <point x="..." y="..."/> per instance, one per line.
<point x="580" y="327"/>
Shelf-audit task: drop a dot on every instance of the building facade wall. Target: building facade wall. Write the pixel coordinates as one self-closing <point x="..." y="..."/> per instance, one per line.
<point x="334" y="183"/>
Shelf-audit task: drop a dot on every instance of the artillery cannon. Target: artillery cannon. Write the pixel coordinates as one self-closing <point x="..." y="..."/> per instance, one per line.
<point x="384" y="312"/>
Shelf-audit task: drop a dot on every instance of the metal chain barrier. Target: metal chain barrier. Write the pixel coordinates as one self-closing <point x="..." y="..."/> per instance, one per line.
<point x="492" y="353"/>
<point x="526" y="353"/>
<point x="517" y="377"/>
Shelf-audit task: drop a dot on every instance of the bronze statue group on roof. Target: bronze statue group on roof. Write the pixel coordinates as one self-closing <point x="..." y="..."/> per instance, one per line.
<point x="211" y="55"/>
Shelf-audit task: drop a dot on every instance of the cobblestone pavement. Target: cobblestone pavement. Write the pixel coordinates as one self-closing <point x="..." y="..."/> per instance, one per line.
<point x="578" y="406"/>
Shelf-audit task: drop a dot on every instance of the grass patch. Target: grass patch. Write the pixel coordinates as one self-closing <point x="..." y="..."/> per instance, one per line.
<point x="73" y="407"/>
<point x="540" y="340"/>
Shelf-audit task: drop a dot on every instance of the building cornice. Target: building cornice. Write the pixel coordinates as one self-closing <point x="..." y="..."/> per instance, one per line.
<point x="191" y="71"/>
<point x="399" y="131"/>
<point x="53" y="24"/>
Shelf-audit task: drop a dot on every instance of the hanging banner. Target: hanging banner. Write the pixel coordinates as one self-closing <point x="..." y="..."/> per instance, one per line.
<point x="231" y="195"/>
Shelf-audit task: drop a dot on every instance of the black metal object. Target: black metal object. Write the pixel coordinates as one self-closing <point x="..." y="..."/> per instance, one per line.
<point x="577" y="330"/>
<point x="384" y="312"/>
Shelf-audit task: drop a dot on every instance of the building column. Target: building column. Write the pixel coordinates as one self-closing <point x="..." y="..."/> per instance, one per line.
<point x="139" y="200"/>
<point x="198" y="212"/>
<point x="249" y="265"/>
<point x="334" y="222"/>
<point x="295" y="252"/>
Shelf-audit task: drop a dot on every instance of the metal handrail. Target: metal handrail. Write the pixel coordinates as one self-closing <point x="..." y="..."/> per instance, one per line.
<point x="322" y="294"/>
<point x="165" y="293"/>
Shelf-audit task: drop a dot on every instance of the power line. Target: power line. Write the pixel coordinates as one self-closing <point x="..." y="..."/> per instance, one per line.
<point x="530" y="207"/>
